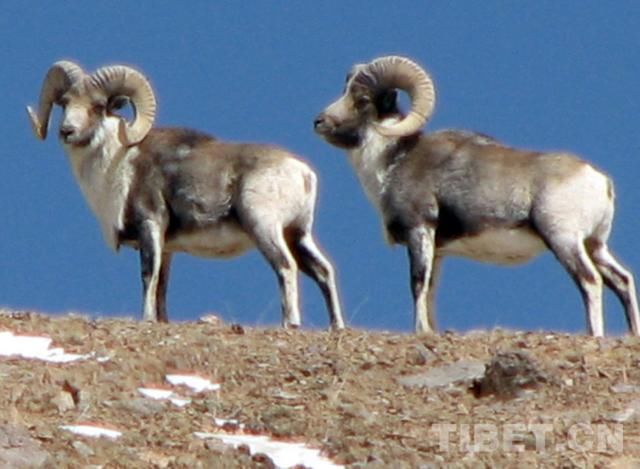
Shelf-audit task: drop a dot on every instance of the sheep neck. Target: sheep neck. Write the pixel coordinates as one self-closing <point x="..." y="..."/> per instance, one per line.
<point x="372" y="163"/>
<point x="104" y="173"/>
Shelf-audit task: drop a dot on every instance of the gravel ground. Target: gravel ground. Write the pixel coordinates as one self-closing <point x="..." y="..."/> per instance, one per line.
<point x="364" y="398"/>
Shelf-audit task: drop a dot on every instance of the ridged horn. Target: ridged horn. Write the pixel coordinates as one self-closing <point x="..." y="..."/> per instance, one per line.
<point x="402" y="73"/>
<point x="121" y="80"/>
<point x="60" y="77"/>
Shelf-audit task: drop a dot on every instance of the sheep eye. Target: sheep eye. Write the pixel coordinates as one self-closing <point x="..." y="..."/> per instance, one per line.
<point x="362" y="101"/>
<point x="98" y="108"/>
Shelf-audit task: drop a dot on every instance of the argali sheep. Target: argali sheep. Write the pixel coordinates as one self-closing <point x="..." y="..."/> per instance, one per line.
<point x="166" y="190"/>
<point x="461" y="193"/>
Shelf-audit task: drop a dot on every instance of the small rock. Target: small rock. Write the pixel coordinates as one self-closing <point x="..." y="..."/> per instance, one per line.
<point x="574" y="357"/>
<point x="157" y="460"/>
<point x="216" y="445"/>
<point x="74" y="391"/>
<point x="463" y="371"/>
<point x="83" y="449"/>
<point x="64" y="401"/>
<point x="624" y="416"/>
<point x="630" y="414"/>
<point x="420" y="355"/>
<point x="606" y="343"/>
<point x="528" y="440"/>
<point x="210" y="319"/>
<point x="280" y="421"/>
<point x="244" y="449"/>
<point x="287" y="396"/>
<point x="184" y="460"/>
<point x="367" y="365"/>
<point x="625" y="388"/>
<point x="19" y="449"/>
<point x="628" y="341"/>
<point x="263" y="460"/>
<point x="141" y="406"/>
<point x="508" y="374"/>
<point x="84" y="400"/>
<point x="624" y="462"/>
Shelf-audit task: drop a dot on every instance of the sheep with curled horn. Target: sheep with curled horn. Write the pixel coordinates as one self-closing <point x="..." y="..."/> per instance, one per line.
<point x="465" y="194"/>
<point x="167" y="190"/>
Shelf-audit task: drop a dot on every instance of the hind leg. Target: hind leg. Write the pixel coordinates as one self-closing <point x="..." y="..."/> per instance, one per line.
<point x="314" y="264"/>
<point x="620" y="280"/>
<point x="270" y="241"/>
<point x="573" y="255"/>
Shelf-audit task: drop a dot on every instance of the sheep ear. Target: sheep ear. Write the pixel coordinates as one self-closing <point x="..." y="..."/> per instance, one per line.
<point x="118" y="102"/>
<point x="387" y="102"/>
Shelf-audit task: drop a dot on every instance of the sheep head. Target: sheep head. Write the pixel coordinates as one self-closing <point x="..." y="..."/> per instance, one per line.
<point x="87" y="99"/>
<point x="370" y="96"/>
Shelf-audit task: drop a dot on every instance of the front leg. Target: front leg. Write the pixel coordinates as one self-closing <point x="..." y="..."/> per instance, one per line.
<point x="431" y="294"/>
<point x="163" y="282"/>
<point x="150" y="243"/>
<point x="421" y="250"/>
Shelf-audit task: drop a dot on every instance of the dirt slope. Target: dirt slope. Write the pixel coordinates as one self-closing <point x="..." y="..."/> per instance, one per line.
<point x="340" y="392"/>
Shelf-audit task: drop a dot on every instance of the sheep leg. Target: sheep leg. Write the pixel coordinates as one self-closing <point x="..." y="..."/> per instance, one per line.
<point x="431" y="293"/>
<point x="163" y="282"/>
<point x="421" y="250"/>
<point x="314" y="264"/>
<point x="150" y="242"/>
<point x="271" y="243"/>
<point x="620" y="280"/>
<point x="573" y="255"/>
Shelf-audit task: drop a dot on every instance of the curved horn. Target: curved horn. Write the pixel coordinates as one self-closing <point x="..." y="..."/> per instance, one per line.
<point x="402" y="73"/>
<point x="60" y="77"/>
<point x="123" y="80"/>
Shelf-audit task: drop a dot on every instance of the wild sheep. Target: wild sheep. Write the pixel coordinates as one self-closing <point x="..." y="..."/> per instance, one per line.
<point x="461" y="193"/>
<point x="164" y="190"/>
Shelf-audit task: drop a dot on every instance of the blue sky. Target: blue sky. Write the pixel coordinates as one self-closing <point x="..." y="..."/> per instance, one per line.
<point x="541" y="75"/>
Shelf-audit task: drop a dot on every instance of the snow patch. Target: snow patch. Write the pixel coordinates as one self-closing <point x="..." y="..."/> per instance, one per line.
<point x="91" y="430"/>
<point x="193" y="381"/>
<point x="164" y="394"/>
<point x="283" y="454"/>
<point x="35" y="347"/>
<point x="223" y="422"/>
